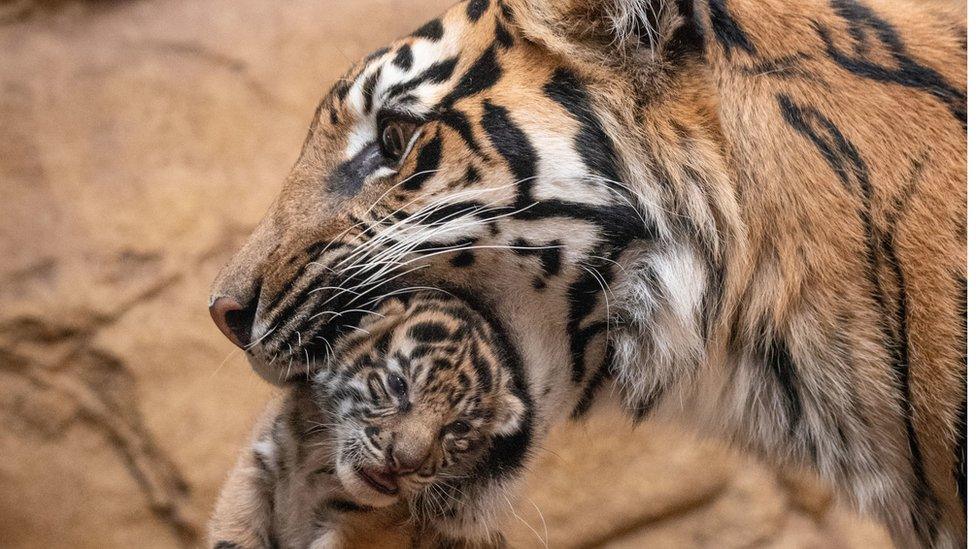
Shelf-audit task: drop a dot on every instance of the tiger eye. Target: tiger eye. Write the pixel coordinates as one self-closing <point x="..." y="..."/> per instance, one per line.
<point x="458" y="428"/>
<point x="398" y="385"/>
<point x="394" y="138"/>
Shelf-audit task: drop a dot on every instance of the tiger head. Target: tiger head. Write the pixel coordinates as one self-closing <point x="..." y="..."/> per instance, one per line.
<point x="420" y="394"/>
<point x="520" y="154"/>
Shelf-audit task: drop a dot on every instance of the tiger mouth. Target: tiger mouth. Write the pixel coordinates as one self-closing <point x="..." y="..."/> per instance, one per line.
<point x="381" y="481"/>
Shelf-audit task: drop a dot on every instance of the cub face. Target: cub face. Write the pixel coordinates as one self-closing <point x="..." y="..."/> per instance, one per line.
<point x="417" y="398"/>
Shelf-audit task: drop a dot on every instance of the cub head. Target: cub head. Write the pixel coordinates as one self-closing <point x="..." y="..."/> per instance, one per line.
<point x="420" y="394"/>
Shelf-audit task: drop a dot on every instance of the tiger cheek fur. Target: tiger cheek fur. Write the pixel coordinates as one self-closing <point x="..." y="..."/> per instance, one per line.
<point x="693" y="200"/>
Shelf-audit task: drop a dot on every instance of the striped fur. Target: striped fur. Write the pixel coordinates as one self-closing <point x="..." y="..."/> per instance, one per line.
<point x="747" y="214"/>
<point x="398" y="387"/>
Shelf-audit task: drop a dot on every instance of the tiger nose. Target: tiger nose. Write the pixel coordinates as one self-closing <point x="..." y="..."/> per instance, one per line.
<point x="404" y="459"/>
<point x="233" y="319"/>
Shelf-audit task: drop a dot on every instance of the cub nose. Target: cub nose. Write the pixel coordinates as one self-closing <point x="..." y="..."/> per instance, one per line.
<point x="233" y="319"/>
<point x="403" y="460"/>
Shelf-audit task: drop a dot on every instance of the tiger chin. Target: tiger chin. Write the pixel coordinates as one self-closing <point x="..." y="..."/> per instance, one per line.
<point x="396" y="429"/>
<point x="748" y="215"/>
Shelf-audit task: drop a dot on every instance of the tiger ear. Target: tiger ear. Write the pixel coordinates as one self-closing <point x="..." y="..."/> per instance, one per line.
<point x="510" y="414"/>
<point x="641" y="35"/>
<point x="388" y="313"/>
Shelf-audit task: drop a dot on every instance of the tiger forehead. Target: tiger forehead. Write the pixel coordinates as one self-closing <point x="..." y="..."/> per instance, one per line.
<point x="465" y="46"/>
<point x="425" y="328"/>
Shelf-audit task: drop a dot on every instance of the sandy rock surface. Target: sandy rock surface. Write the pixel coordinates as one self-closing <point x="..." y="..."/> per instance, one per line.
<point x="139" y="142"/>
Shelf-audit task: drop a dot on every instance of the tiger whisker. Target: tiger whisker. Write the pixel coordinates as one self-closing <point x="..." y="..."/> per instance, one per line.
<point x="410" y="290"/>
<point x="544" y="542"/>
<point x="357" y="328"/>
<point x="391" y="234"/>
<point x="365" y="282"/>
<point x="429" y="209"/>
<point x="425" y="237"/>
<point x="425" y="211"/>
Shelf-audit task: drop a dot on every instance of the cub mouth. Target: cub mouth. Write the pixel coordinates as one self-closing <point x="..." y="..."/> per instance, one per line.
<point x="382" y="482"/>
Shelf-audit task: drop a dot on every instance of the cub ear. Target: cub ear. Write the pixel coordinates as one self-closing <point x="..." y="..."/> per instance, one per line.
<point x="389" y="313"/>
<point x="510" y="414"/>
<point x="639" y="34"/>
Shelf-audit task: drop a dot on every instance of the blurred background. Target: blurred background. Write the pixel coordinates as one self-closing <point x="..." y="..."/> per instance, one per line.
<point x="139" y="142"/>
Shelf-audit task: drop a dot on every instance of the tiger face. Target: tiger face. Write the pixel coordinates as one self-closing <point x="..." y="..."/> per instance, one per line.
<point x="419" y="396"/>
<point x="462" y="157"/>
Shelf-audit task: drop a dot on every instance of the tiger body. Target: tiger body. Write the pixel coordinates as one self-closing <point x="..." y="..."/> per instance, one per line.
<point x="283" y="490"/>
<point x="749" y="215"/>
<point x="406" y="413"/>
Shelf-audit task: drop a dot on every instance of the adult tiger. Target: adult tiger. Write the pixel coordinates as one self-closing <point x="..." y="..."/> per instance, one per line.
<point x="750" y="213"/>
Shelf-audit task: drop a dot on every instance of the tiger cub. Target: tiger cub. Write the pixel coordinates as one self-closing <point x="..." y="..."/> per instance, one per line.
<point x="394" y="430"/>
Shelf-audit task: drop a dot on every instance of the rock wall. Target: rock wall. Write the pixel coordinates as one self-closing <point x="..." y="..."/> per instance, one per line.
<point x="139" y="142"/>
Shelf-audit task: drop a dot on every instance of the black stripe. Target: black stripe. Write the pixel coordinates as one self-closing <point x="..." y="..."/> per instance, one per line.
<point x="482" y="369"/>
<point x="591" y="142"/>
<point x="481" y="75"/>
<point x="341" y="89"/>
<point x="428" y="161"/>
<point x="458" y="121"/>
<point x="266" y="474"/>
<point x="852" y="171"/>
<point x="314" y="250"/>
<point x="375" y="55"/>
<point x="327" y="469"/>
<point x="435" y="74"/>
<point x="616" y="223"/>
<point x="475" y="9"/>
<point x="962" y="308"/>
<point x="647" y="403"/>
<point x="687" y="41"/>
<point x="464" y="258"/>
<point x="432" y="30"/>
<point x="513" y="146"/>
<point x="582" y="296"/>
<point x="727" y="30"/>
<point x="404" y="58"/>
<point x="593" y="386"/>
<point x="502" y="37"/>
<point x="345" y="506"/>
<point x="506" y="10"/>
<point x="785" y="67"/>
<point x="285" y="290"/>
<point x="779" y="360"/>
<point x="861" y="20"/>
<point x="550" y="254"/>
<point x="959" y="469"/>
<point x="428" y="332"/>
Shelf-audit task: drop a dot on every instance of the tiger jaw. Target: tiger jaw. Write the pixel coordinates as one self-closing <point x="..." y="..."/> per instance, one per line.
<point x="374" y="486"/>
<point x="363" y="490"/>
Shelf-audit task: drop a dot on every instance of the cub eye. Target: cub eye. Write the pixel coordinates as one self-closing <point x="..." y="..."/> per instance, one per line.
<point x="395" y="136"/>
<point x="458" y="428"/>
<point x="397" y="384"/>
